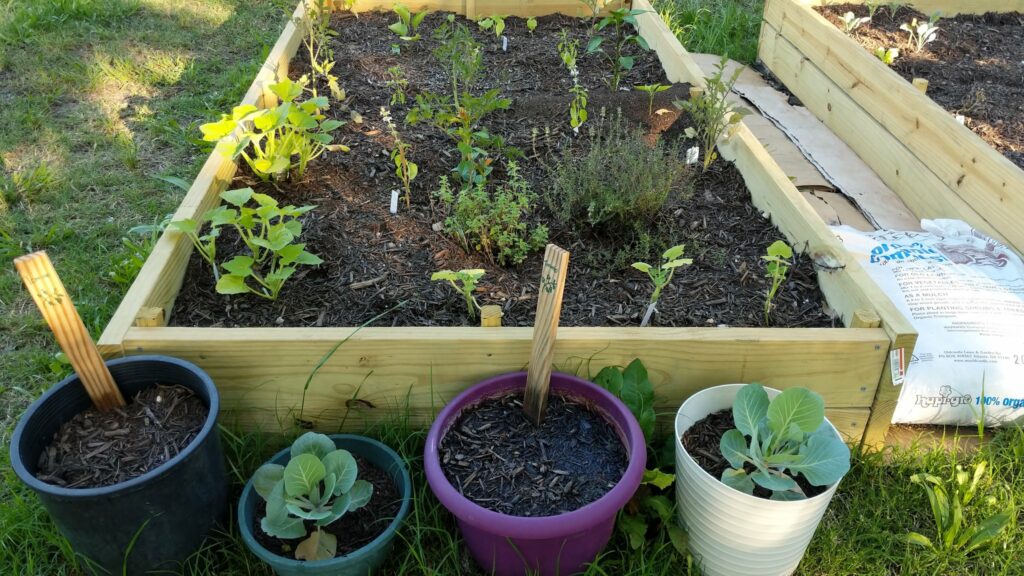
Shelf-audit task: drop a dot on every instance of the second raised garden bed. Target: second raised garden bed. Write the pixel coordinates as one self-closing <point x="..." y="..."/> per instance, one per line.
<point x="262" y="371"/>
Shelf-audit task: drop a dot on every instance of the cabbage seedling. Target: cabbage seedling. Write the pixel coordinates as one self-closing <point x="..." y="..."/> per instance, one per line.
<point x="851" y="22"/>
<point x="921" y="33"/>
<point x="319" y="485"/>
<point x="661" y="275"/>
<point x="465" y="282"/>
<point x="776" y="266"/>
<point x="888" y="56"/>
<point x="776" y="440"/>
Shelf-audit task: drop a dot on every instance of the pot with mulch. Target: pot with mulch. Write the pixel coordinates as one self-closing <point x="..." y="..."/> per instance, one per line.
<point x="327" y="505"/>
<point x="756" y="470"/>
<point x="528" y="498"/>
<point x="135" y="488"/>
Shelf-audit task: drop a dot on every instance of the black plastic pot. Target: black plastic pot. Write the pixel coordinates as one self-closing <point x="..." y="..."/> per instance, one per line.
<point x="168" y="511"/>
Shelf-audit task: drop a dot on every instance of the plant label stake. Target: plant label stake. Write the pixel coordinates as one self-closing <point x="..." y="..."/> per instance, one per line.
<point x="545" y="326"/>
<point x="56" y="306"/>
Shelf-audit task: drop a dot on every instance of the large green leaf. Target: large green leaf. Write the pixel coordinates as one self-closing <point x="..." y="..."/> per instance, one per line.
<point x="342" y="464"/>
<point x="988" y="530"/>
<point x="231" y="284"/>
<point x="795" y="407"/>
<point x="311" y="514"/>
<point x="656" y="477"/>
<point x="734" y="448"/>
<point x="634" y="528"/>
<point x="319" y="546"/>
<point x="825" y="459"/>
<point x="738" y="480"/>
<point x="360" y="494"/>
<point x="240" y="266"/>
<point x="318" y="445"/>
<point x="301" y="474"/>
<point x="277" y="522"/>
<point x="775" y="482"/>
<point x="266" y="478"/>
<point x="237" y="197"/>
<point x="610" y="378"/>
<point x="749" y="408"/>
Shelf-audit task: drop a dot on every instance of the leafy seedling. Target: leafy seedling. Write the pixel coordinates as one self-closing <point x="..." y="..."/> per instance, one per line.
<point x="531" y="24"/>
<point x="465" y="282"/>
<point x="319" y="484"/>
<point x="633" y="386"/>
<point x="776" y="266"/>
<point x="407" y="23"/>
<point x="776" y="440"/>
<point x="405" y="169"/>
<point x="851" y="22"/>
<point x="650" y="508"/>
<point x="888" y="56"/>
<point x="568" y="50"/>
<point x="495" y="23"/>
<point x="661" y="275"/>
<point x="714" y="117"/>
<point x="623" y="21"/>
<point x="950" y="503"/>
<point x="651" y="90"/>
<point x="920" y="34"/>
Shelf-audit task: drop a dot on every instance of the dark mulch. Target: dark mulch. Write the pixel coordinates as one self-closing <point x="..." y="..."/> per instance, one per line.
<point x="974" y="67"/>
<point x="498" y="458"/>
<point x="96" y="449"/>
<point x="353" y="530"/>
<point x="702" y="443"/>
<point x="374" y="260"/>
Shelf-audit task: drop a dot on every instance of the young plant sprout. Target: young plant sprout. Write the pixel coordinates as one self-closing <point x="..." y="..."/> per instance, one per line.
<point x="851" y="22"/>
<point x="320" y="485"/>
<point x="569" y="51"/>
<point x="780" y="439"/>
<point x="950" y="503"/>
<point x="713" y="115"/>
<point x="921" y="33"/>
<point x="651" y="90"/>
<point x="661" y="275"/>
<point x="407" y="23"/>
<point x="406" y="170"/>
<point x="531" y="24"/>
<point x="495" y="22"/>
<point x="621" y="19"/>
<point x="872" y="9"/>
<point x="887" y="55"/>
<point x="318" y="32"/>
<point x="398" y="84"/>
<point x="595" y="6"/>
<point x="776" y="266"/>
<point x="465" y="282"/>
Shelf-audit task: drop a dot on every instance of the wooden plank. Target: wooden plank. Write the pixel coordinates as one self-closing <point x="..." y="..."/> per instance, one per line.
<point x="474" y="9"/>
<point x="966" y="164"/>
<point x="678" y="64"/>
<point x="886" y="396"/>
<point x="946" y="7"/>
<point x="896" y="165"/>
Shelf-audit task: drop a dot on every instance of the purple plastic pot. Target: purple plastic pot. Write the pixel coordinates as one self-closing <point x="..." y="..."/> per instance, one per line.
<point x="551" y="545"/>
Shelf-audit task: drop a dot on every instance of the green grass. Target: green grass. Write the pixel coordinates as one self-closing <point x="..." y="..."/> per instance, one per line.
<point x="728" y="27"/>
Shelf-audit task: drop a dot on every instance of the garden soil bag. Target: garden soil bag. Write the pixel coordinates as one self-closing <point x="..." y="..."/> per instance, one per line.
<point x="964" y="294"/>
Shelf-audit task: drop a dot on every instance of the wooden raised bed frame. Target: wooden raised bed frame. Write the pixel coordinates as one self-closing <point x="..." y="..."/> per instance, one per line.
<point x="261" y="372"/>
<point x="940" y="168"/>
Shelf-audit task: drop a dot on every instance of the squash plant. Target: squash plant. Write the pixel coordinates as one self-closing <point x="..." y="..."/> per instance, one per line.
<point x="319" y="485"/>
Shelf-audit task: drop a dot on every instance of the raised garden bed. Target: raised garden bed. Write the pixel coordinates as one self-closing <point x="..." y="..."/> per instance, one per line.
<point x="940" y="168"/>
<point x="262" y="371"/>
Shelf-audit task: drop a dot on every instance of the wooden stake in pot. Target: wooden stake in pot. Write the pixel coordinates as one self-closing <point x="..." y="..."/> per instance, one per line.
<point x="53" y="302"/>
<point x="545" y="326"/>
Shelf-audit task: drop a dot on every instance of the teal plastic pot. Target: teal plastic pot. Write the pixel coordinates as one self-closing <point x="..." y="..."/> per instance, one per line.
<point x="361" y="562"/>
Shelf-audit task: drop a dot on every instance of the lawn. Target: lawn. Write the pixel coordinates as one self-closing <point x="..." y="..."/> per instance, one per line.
<point x="102" y="98"/>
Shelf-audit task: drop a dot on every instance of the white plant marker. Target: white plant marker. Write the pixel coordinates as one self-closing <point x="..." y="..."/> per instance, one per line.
<point x="504" y="43"/>
<point x="692" y="155"/>
<point x="394" y="201"/>
<point x="961" y="119"/>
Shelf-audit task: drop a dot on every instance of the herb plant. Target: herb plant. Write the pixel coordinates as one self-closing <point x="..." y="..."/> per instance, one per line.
<point x="461" y="55"/>
<point x="776" y="266"/>
<point x="286" y="137"/>
<point x="398" y="84"/>
<point x="774" y="441"/>
<point x="569" y="52"/>
<point x="268" y="231"/>
<point x="651" y="90"/>
<point x="951" y="510"/>
<point x="888" y="56"/>
<point x="319" y="484"/>
<point x="493" y="222"/>
<point x="316" y="37"/>
<point x="407" y="23"/>
<point x="851" y="22"/>
<point x="405" y="169"/>
<point x="621" y="20"/>
<point x="661" y="275"/>
<point x="713" y="115"/>
<point x="921" y="33"/>
<point x="495" y="22"/>
<point x="465" y="282"/>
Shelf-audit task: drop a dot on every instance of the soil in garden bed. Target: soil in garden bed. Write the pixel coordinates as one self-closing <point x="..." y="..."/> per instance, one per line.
<point x="702" y="443"/>
<point x="96" y="449"/>
<point x="497" y="457"/>
<point x="353" y="530"/>
<point x="374" y="260"/>
<point x="974" y="67"/>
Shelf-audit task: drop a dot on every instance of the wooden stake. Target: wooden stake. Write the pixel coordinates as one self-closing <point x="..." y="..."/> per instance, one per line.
<point x="490" y="316"/>
<point x="56" y="306"/>
<point x="545" y="326"/>
<point x="921" y="84"/>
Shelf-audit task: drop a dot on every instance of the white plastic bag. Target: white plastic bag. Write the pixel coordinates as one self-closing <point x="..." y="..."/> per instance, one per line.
<point x="964" y="294"/>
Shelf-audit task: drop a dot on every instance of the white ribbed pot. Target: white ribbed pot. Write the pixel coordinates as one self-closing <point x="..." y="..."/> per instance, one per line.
<point x="732" y="533"/>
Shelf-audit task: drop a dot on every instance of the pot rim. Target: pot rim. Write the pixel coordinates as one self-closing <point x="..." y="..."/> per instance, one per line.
<point x="826" y="494"/>
<point x="535" y="527"/>
<point x="213" y="409"/>
<point x="249" y="492"/>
